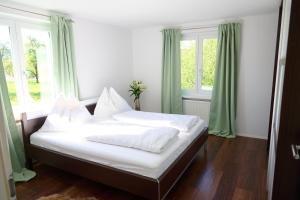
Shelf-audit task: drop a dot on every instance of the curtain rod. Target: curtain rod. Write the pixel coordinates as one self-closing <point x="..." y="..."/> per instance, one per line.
<point x="206" y="26"/>
<point x="31" y="12"/>
<point x="210" y="25"/>
<point x="27" y="11"/>
<point x="193" y="28"/>
<point x="200" y="27"/>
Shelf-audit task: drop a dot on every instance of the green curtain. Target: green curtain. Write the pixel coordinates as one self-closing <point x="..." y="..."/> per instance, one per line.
<point x="63" y="56"/>
<point x="223" y="102"/>
<point x="171" y="99"/>
<point x="15" y="144"/>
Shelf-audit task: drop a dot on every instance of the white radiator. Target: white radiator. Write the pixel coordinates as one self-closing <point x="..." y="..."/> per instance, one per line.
<point x="197" y="107"/>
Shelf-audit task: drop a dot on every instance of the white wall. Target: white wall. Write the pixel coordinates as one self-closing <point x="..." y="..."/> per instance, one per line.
<point x="147" y="49"/>
<point x="255" y="73"/>
<point x="103" y="57"/>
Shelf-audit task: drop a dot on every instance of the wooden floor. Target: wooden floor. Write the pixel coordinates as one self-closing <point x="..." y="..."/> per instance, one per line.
<point x="231" y="169"/>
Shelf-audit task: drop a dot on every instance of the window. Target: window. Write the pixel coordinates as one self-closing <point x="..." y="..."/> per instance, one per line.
<point x="27" y="60"/>
<point x="6" y="52"/>
<point x="198" y="60"/>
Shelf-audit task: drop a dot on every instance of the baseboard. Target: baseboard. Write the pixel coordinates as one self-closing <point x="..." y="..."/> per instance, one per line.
<point x="252" y="136"/>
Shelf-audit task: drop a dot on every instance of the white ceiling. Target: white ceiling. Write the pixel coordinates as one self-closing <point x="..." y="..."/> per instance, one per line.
<point x="136" y="13"/>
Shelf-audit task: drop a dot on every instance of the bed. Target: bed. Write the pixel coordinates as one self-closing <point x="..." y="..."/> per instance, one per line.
<point x="151" y="177"/>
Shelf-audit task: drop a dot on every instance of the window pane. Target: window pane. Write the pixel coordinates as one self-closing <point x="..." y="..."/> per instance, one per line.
<point x="188" y="64"/>
<point x="6" y="52"/>
<point x="208" y="63"/>
<point x="37" y="54"/>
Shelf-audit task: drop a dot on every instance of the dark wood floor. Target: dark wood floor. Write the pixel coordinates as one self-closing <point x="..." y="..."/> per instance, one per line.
<point x="231" y="169"/>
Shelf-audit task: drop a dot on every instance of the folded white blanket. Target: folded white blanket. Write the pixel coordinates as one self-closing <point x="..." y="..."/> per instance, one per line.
<point x="152" y="139"/>
<point x="180" y="122"/>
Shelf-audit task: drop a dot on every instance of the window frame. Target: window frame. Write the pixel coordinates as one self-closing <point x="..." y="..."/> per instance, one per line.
<point x="15" y="26"/>
<point x="198" y="35"/>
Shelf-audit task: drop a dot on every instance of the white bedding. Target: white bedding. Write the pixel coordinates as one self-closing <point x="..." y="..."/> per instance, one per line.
<point x="152" y="139"/>
<point x="144" y="163"/>
<point x="180" y="122"/>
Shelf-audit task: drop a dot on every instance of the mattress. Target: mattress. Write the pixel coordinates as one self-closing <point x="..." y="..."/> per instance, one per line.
<point x="132" y="160"/>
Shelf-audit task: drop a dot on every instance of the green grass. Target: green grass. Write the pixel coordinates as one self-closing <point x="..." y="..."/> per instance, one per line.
<point x="34" y="91"/>
<point x="12" y="92"/>
<point x="188" y="63"/>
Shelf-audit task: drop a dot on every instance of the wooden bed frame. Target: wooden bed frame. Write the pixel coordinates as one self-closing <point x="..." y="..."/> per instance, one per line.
<point x="149" y="188"/>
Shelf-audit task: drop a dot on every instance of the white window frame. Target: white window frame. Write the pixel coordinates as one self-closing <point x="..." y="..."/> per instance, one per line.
<point x="198" y="35"/>
<point x="17" y="53"/>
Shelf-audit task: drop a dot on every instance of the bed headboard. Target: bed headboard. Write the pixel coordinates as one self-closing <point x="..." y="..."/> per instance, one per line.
<point x="29" y="126"/>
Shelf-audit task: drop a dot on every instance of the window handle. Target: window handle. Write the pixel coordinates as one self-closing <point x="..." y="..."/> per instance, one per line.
<point x="24" y="72"/>
<point x="295" y="151"/>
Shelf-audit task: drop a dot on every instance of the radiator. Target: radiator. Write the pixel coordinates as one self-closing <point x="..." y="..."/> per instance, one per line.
<point x="197" y="107"/>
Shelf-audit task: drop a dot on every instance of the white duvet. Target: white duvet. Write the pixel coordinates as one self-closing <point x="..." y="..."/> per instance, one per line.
<point x="151" y="139"/>
<point x="153" y="165"/>
<point x="180" y="122"/>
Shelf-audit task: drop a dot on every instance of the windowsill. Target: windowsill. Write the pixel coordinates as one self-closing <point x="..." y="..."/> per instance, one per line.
<point x="42" y="109"/>
<point x="32" y="110"/>
<point x="196" y="97"/>
<point x="17" y="117"/>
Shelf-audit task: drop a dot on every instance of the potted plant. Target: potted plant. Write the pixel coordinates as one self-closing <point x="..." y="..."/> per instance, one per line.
<point x="136" y="89"/>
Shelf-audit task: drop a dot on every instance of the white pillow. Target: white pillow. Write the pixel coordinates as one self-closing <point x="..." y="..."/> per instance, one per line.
<point x="104" y="108"/>
<point x="120" y="104"/>
<point x="78" y="113"/>
<point x="65" y="114"/>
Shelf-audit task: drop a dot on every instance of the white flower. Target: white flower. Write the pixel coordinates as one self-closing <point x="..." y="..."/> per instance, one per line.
<point x="136" y="89"/>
